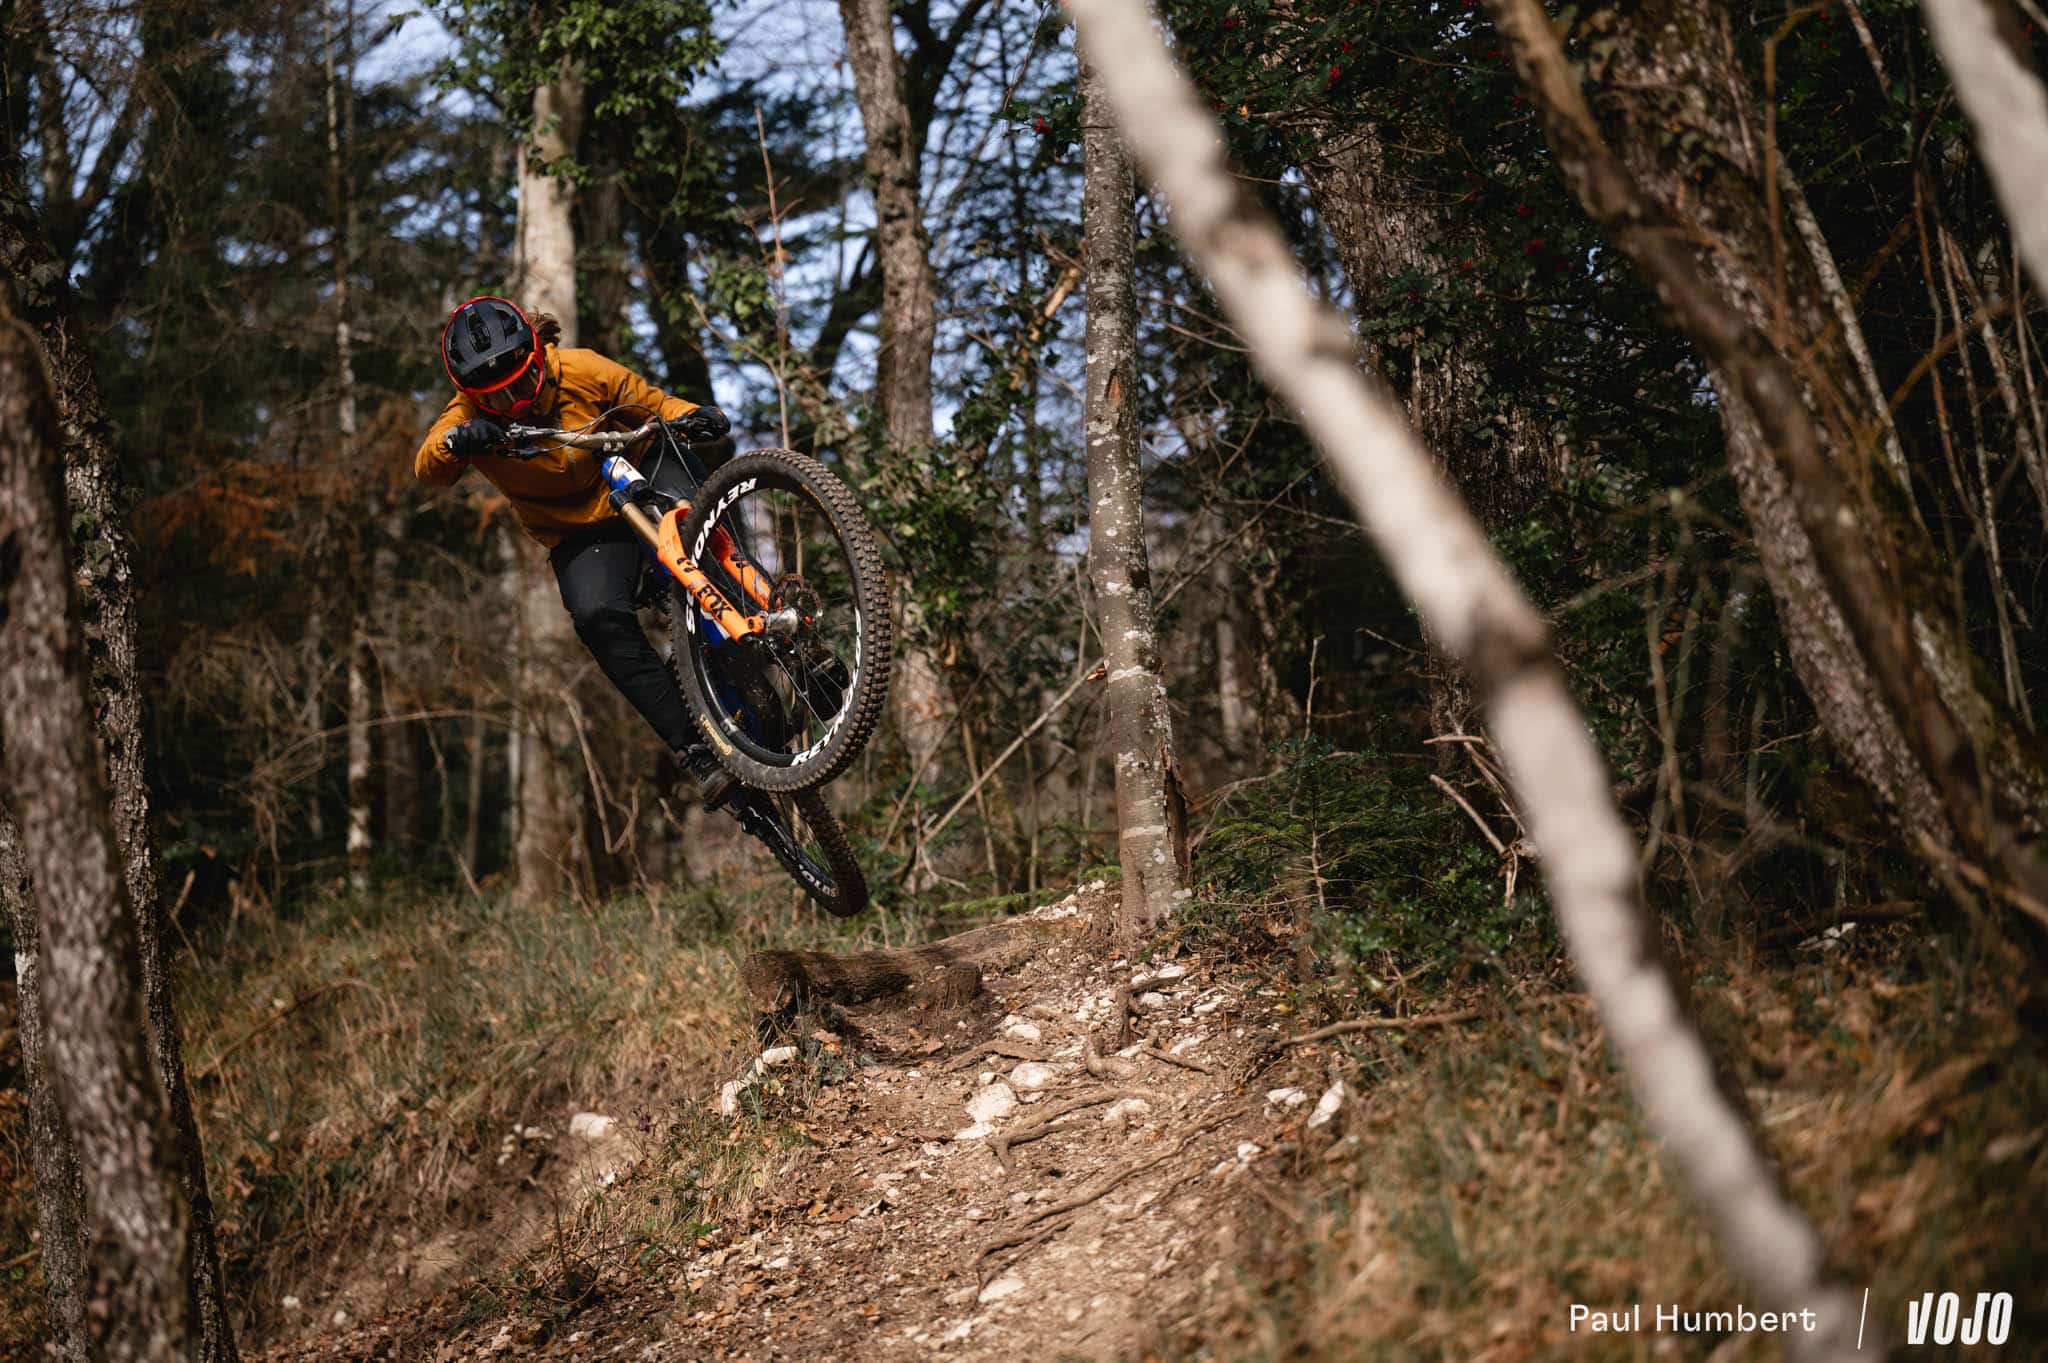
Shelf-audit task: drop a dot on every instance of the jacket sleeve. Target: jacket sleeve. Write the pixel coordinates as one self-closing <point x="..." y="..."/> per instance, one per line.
<point x="433" y="464"/>
<point x="625" y="388"/>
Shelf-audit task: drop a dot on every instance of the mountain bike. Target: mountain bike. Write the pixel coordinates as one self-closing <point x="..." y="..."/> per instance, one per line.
<point x="777" y="606"/>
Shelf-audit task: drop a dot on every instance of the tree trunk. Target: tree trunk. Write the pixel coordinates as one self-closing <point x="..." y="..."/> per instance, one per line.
<point x="549" y="852"/>
<point x="909" y="329"/>
<point x="359" y="837"/>
<point x="1149" y="808"/>
<point x="1863" y="593"/>
<point x="1441" y="558"/>
<point x="1383" y="229"/>
<point x="340" y="217"/>
<point x="60" y="1188"/>
<point x="313" y="714"/>
<point x="96" y="499"/>
<point x="602" y="239"/>
<point x="107" y="1089"/>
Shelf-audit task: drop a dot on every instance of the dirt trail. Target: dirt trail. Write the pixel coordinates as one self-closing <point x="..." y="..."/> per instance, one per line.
<point x="900" y="1234"/>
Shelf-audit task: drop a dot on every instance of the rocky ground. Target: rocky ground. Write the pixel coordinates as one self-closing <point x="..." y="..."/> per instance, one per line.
<point x="1048" y="1171"/>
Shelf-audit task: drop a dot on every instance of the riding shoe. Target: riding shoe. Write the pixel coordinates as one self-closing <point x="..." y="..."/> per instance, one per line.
<point x="715" y="784"/>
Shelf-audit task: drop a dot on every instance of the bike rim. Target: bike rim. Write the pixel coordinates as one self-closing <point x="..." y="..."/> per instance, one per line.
<point x="805" y="682"/>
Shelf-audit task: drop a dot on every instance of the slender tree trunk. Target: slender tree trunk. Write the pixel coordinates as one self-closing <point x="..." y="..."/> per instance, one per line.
<point x="99" y="523"/>
<point x="398" y="740"/>
<point x="1442" y="560"/>
<point x="909" y="329"/>
<point x="313" y="714"/>
<point x="1858" y="581"/>
<point x="360" y="840"/>
<point x="341" y="214"/>
<point x="107" y="1089"/>
<point x="1151" y="816"/>
<point x="472" y="810"/>
<point x="60" y="1187"/>
<point x="1233" y="689"/>
<point x="548" y="852"/>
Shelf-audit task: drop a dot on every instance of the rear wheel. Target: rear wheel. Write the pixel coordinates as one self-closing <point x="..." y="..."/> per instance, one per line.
<point x="805" y="837"/>
<point x="786" y="710"/>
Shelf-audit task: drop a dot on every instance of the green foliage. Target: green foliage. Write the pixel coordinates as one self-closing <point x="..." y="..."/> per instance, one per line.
<point x="1362" y="857"/>
<point x="636" y="58"/>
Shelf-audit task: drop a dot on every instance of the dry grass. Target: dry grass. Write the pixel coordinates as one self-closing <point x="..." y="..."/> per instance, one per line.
<point x="1494" y="1174"/>
<point x="360" y="1067"/>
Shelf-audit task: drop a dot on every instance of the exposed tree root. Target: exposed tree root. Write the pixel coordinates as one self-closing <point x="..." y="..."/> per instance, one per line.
<point x="1007" y="1047"/>
<point x="1104" y="1185"/>
<point x="1113" y="1067"/>
<point x="1382" y="1024"/>
<point x="1030" y="1131"/>
<point x="1170" y="1058"/>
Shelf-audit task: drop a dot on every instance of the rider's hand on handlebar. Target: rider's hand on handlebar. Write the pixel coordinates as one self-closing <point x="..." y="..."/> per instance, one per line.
<point x="702" y="426"/>
<point x="479" y="435"/>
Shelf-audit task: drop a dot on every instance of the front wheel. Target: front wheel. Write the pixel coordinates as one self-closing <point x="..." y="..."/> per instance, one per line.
<point x="786" y="710"/>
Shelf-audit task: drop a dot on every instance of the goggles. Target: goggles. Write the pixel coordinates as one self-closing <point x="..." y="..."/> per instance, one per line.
<point x="515" y="394"/>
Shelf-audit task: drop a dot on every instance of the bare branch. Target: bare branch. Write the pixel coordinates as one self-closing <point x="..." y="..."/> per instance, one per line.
<point x="1998" y="88"/>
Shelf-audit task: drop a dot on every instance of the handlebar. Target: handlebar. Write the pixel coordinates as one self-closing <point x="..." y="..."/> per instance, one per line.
<point x="582" y="440"/>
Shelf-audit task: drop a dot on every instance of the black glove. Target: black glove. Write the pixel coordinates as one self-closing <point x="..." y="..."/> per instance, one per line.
<point x="479" y="435"/>
<point x="702" y="426"/>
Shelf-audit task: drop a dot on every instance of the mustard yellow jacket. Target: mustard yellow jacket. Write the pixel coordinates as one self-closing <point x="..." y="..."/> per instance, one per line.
<point x="560" y="491"/>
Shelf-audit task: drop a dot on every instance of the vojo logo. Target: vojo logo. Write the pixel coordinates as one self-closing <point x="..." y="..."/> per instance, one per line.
<point x="1941" y="1319"/>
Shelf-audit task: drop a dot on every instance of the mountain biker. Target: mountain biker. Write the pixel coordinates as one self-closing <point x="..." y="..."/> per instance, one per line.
<point x="506" y="367"/>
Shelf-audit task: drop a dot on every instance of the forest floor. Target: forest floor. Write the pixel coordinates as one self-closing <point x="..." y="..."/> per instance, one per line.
<point x="402" y="1098"/>
<point x="905" y="1225"/>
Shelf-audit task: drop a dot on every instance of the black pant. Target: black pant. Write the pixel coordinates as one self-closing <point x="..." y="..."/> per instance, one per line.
<point x="598" y="572"/>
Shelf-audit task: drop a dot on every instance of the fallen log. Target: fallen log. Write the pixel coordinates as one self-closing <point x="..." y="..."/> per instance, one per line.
<point x="945" y="973"/>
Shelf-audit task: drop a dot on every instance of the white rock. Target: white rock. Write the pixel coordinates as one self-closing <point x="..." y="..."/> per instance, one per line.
<point x="1246" y="1150"/>
<point x="778" y="1055"/>
<point x="1188" y="1043"/>
<point x="1021" y="1030"/>
<point x="340" y="1316"/>
<point x="1172" y="971"/>
<point x="1152" y="1000"/>
<point x="291" y="1303"/>
<point x="590" y="1126"/>
<point x="1126" y="1110"/>
<point x="1327" y="1105"/>
<point x="1009" y="1285"/>
<point x="958" y="1332"/>
<point x="993" y="1103"/>
<point x="985" y="1078"/>
<point x="1032" y="1075"/>
<point x="1287" y="1099"/>
<point x="729" y="1096"/>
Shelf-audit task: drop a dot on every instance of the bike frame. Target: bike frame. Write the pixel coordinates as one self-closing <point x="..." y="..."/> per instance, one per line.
<point x="664" y="540"/>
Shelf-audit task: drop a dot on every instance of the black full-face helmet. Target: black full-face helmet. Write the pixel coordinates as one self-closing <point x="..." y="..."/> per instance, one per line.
<point x="494" y="355"/>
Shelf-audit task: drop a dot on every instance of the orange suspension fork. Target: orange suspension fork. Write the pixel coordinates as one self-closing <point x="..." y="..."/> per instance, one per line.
<point x="668" y="547"/>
